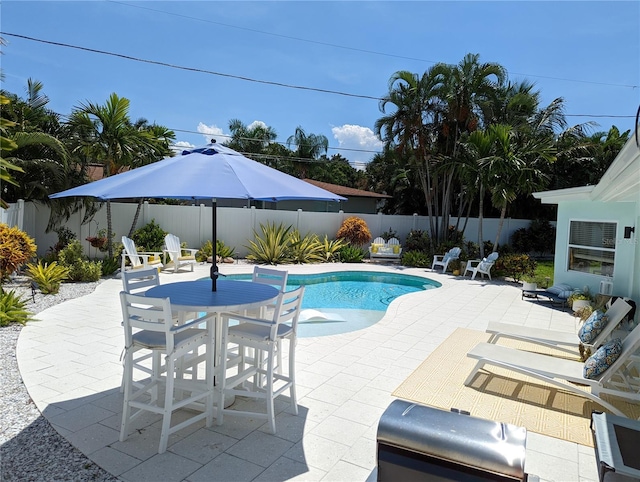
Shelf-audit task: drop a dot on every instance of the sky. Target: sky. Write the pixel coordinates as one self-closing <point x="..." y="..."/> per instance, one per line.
<point x="322" y="66"/>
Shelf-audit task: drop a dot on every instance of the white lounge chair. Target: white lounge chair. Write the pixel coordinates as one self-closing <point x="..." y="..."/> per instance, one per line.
<point x="178" y="255"/>
<point x="138" y="259"/>
<point x="561" y="340"/>
<point x="390" y="249"/>
<point x="444" y="259"/>
<point x="482" y="266"/>
<point x="563" y="373"/>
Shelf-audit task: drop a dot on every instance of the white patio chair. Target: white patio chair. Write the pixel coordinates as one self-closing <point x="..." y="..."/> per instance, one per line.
<point x="138" y="259"/>
<point x="148" y="325"/>
<point x="444" y="259"/>
<point x="392" y="243"/>
<point x="177" y="254"/>
<point x="481" y="266"/>
<point x="565" y="341"/>
<point x="616" y="380"/>
<point x="263" y="335"/>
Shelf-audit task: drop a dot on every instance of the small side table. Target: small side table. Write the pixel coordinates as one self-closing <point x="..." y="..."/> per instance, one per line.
<point x="616" y="442"/>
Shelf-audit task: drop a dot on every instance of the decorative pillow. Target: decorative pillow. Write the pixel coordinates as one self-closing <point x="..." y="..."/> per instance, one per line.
<point x="565" y="294"/>
<point x="602" y="359"/>
<point x="559" y="288"/>
<point x="374" y="248"/>
<point x="592" y="327"/>
<point x="396" y="249"/>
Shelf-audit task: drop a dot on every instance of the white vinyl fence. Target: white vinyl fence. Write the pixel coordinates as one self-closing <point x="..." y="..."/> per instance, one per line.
<point x="236" y="226"/>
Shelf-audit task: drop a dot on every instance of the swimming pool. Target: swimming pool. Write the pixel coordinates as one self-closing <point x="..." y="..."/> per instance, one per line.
<point x="345" y="301"/>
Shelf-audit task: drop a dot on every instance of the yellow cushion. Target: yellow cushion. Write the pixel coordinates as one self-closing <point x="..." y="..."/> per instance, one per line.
<point x="185" y="258"/>
<point x="374" y="248"/>
<point x="396" y="249"/>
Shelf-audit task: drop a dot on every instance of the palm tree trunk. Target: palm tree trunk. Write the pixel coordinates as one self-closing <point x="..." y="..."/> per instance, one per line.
<point x="135" y="218"/>
<point x="503" y="212"/>
<point x="109" y="230"/>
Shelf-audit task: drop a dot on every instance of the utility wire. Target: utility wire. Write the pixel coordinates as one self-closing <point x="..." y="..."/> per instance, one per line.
<point x="354" y="49"/>
<point x="248" y="79"/>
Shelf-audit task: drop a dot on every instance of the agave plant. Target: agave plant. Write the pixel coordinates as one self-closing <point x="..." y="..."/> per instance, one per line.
<point x="307" y="249"/>
<point x="331" y="249"/>
<point x="12" y="309"/>
<point x="273" y="246"/>
<point x="47" y="276"/>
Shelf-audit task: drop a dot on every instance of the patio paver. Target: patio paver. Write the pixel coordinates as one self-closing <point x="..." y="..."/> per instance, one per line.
<point x="70" y="365"/>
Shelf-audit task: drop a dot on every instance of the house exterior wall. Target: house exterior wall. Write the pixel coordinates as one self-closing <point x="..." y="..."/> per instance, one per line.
<point x="626" y="267"/>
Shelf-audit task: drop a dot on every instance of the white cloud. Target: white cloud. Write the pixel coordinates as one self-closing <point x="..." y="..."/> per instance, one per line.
<point x="211" y="132"/>
<point x="179" y="146"/>
<point x="362" y="139"/>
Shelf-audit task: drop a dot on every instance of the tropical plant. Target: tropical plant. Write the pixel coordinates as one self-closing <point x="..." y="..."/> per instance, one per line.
<point x="331" y="248"/>
<point x="354" y="230"/>
<point x="417" y="240"/>
<point x="16" y="248"/>
<point x="387" y="235"/>
<point x="105" y="134"/>
<point x="110" y="265"/>
<point x="272" y="246"/>
<point x="516" y="266"/>
<point x="80" y="268"/>
<point x="150" y="237"/>
<point x="351" y="254"/>
<point x="307" y="146"/>
<point x="305" y="249"/>
<point x="47" y="276"/>
<point x="415" y="258"/>
<point x="224" y="251"/>
<point x="13" y="309"/>
<point x="205" y="251"/>
<point x="251" y="139"/>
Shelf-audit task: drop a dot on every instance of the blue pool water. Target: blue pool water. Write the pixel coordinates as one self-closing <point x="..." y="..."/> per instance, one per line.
<point x="340" y="302"/>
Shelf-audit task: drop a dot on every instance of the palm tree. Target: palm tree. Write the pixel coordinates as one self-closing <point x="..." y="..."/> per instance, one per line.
<point x="515" y="166"/>
<point x="105" y="134"/>
<point x="308" y="146"/>
<point x="252" y="139"/>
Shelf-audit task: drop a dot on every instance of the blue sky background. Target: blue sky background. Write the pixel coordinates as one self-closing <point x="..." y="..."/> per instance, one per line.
<point x="586" y="52"/>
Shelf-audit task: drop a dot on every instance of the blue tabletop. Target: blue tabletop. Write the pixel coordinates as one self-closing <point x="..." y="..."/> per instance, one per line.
<point x="230" y="294"/>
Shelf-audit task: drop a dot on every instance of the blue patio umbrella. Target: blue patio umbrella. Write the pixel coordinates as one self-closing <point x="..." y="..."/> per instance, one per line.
<point x="210" y="172"/>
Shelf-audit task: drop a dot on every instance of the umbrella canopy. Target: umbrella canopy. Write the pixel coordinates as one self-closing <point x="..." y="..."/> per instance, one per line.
<point x="210" y="172"/>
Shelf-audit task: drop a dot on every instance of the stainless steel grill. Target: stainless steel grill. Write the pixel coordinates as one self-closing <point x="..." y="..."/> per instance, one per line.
<point x="417" y="442"/>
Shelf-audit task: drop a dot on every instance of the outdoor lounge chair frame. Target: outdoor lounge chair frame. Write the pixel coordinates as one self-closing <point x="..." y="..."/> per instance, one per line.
<point x="561" y="340"/>
<point x="563" y="373"/>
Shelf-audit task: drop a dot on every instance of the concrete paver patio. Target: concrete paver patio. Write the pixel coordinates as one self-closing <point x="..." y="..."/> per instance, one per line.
<point x="70" y="363"/>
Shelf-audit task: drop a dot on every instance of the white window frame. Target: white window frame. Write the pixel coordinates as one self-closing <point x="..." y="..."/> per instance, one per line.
<point x="594" y="256"/>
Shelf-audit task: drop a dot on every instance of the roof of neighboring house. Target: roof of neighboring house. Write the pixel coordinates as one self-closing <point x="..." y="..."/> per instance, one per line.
<point x="621" y="182"/>
<point x="346" y="191"/>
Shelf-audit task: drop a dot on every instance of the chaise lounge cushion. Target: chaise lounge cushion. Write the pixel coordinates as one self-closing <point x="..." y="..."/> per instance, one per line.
<point x="592" y="326"/>
<point x="602" y="359"/>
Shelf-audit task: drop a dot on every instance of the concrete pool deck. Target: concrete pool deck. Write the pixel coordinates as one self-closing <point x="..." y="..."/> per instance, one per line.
<point x="70" y="364"/>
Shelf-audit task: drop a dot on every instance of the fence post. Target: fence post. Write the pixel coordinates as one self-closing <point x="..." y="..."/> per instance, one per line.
<point x="298" y="219"/>
<point x="201" y="212"/>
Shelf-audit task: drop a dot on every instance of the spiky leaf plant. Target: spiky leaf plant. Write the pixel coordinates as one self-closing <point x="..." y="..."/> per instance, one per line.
<point x="12" y="309"/>
<point x="272" y="247"/>
<point x="47" y="276"/>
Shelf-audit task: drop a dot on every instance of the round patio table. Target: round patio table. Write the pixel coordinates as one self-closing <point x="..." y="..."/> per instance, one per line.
<point x="231" y="296"/>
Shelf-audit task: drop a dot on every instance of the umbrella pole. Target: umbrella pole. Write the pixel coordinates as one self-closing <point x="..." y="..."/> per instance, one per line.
<point x="214" y="257"/>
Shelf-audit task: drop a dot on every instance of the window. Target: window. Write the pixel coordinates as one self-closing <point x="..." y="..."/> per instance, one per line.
<point x="592" y="247"/>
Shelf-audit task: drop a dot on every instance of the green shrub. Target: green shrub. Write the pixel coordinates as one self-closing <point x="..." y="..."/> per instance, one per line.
<point x="16" y="248"/>
<point x="12" y="309"/>
<point x="80" y="268"/>
<point x="417" y="259"/>
<point x="417" y="240"/>
<point x="355" y="231"/>
<point x="330" y="249"/>
<point x="387" y="235"/>
<point x="205" y="251"/>
<point x="351" y="254"/>
<point x="516" y="266"/>
<point x="149" y="237"/>
<point x="272" y="247"/>
<point x="65" y="236"/>
<point x="307" y="249"/>
<point x="223" y="250"/>
<point x="110" y="265"/>
<point x="47" y="276"/>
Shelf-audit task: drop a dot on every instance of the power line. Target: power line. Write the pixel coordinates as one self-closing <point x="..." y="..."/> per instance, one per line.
<point x="248" y="79"/>
<point x="191" y="69"/>
<point x="354" y="49"/>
